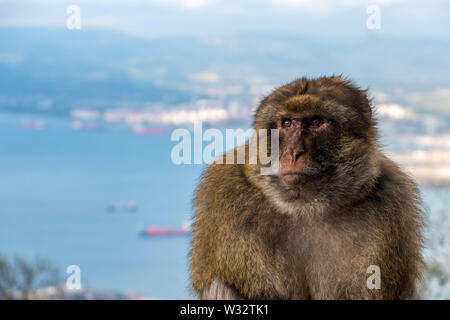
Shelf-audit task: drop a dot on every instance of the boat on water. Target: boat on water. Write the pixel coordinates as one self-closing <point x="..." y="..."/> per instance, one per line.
<point x="32" y="125"/>
<point x="155" y="231"/>
<point x="84" y="126"/>
<point x="130" y="206"/>
<point x="148" y="131"/>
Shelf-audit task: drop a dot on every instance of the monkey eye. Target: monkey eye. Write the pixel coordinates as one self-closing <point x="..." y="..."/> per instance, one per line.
<point x="316" y="122"/>
<point x="286" y="123"/>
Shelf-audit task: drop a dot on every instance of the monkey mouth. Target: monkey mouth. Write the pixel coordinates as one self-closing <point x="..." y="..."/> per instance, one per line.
<point x="294" y="178"/>
<point x="297" y="178"/>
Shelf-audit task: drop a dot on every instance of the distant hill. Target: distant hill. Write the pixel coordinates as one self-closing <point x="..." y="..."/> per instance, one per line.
<point x="55" y="70"/>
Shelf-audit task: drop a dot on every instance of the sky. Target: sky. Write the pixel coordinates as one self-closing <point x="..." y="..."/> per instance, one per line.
<point x="223" y="17"/>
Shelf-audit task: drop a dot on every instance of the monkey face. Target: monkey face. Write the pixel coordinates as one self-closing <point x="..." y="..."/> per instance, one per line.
<point x="309" y="144"/>
<point x="306" y="142"/>
<point x="326" y="136"/>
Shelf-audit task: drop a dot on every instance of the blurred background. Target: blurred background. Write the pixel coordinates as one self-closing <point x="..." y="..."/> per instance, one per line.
<point x="89" y="96"/>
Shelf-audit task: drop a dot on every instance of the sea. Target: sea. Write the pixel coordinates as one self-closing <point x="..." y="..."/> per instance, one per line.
<point x="65" y="193"/>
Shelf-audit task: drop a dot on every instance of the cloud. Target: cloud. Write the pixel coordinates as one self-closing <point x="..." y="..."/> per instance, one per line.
<point x="185" y="3"/>
<point x="323" y="6"/>
<point x="394" y="111"/>
<point x="437" y="100"/>
<point x="427" y="167"/>
<point x="210" y="77"/>
<point x="160" y="17"/>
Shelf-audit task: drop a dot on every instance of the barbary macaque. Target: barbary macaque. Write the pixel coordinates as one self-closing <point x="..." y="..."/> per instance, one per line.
<point x="335" y="207"/>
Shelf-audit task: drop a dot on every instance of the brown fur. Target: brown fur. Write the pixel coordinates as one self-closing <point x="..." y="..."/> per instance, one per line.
<point x="254" y="240"/>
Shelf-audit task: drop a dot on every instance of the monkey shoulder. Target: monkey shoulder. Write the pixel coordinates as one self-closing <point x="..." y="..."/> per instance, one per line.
<point x="395" y="188"/>
<point x="225" y="189"/>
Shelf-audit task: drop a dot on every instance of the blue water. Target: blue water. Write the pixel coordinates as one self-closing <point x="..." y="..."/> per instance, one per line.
<point x="55" y="184"/>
